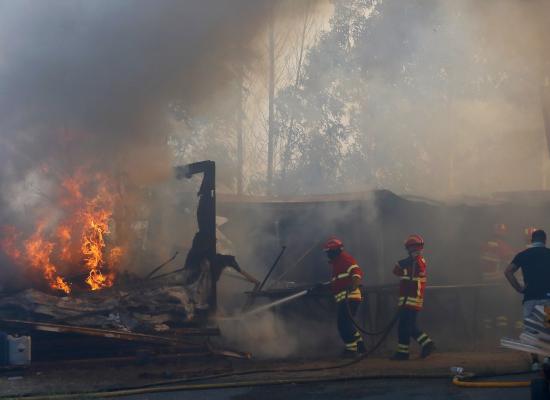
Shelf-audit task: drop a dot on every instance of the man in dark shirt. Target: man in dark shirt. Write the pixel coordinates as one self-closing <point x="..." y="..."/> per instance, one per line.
<point x="535" y="268"/>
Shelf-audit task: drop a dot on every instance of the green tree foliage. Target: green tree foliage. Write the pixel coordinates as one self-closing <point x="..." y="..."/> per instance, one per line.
<point x="413" y="96"/>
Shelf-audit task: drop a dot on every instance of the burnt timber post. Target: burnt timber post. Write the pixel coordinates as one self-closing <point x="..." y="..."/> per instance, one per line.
<point x="206" y="211"/>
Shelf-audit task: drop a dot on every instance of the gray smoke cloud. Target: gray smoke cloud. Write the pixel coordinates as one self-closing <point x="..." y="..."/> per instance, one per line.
<point x="93" y="85"/>
<point x="455" y="91"/>
<point x="92" y="82"/>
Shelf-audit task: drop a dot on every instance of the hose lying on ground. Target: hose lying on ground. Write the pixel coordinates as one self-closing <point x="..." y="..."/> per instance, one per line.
<point x="187" y="383"/>
<point x="184" y="384"/>
<point x="284" y="381"/>
<point x="462" y="382"/>
<point x="222" y="385"/>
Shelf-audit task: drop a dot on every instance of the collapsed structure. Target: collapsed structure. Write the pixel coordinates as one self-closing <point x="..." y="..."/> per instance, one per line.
<point x="165" y="305"/>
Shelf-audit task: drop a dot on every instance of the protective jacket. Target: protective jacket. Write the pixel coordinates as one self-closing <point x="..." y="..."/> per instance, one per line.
<point x="412" y="271"/>
<point x="344" y="268"/>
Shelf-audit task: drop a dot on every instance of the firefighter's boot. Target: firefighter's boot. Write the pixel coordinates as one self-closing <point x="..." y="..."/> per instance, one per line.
<point x="427" y="349"/>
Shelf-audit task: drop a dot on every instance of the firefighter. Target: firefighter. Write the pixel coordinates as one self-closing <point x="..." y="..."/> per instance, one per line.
<point x="496" y="253"/>
<point x="412" y="272"/>
<point x="345" y="286"/>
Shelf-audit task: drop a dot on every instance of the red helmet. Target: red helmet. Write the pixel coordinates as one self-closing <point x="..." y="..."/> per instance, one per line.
<point x="500" y="229"/>
<point x="414" y="241"/>
<point x="333" y="244"/>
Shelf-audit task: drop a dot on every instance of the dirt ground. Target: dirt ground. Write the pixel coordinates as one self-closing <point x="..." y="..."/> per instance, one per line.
<point x="79" y="378"/>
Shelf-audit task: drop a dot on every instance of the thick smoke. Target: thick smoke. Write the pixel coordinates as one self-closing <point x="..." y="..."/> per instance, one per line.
<point x="453" y="106"/>
<point x="91" y="85"/>
<point x="93" y="81"/>
<point x="439" y="99"/>
<point x="458" y="86"/>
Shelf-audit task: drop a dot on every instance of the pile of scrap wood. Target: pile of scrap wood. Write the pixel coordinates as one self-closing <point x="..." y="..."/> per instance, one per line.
<point x="147" y="307"/>
<point x="535" y="338"/>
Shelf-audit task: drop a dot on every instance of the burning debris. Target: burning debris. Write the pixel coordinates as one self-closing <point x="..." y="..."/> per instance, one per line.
<point x="75" y="249"/>
<point x="156" y="308"/>
<point x="73" y="246"/>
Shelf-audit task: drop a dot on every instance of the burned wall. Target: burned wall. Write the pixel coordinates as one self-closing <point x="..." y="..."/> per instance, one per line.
<point x="373" y="229"/>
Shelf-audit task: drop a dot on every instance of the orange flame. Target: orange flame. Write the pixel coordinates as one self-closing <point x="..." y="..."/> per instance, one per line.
<point x="79" y="239"/>
<point x="38" y="252"/>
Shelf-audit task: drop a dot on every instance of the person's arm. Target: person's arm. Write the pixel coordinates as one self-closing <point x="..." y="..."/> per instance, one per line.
<point x="510" y="275"/>
<point x="355" y="282"/>
<point x="356" y="276"/>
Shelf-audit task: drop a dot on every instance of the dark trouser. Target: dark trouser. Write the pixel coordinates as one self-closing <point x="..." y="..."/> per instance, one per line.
<point x="348" y="332"/>
<point x="408" y="329"/>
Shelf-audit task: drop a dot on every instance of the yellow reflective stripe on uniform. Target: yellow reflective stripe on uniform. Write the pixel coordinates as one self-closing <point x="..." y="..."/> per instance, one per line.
<point x="352" y="267"/>
<point x="423" y="340"/>
<point x="354" y="343"/>
<point x="411" y="301"/>
<point x="418" y="279"/>
<point x="403" y="348"/>
<point x="342" y="275"/>
<point x="340" y="296"/>
<point x="354" y="295"/>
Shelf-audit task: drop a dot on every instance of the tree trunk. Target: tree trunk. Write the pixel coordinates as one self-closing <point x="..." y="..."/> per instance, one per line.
<point x="271" y="122"/>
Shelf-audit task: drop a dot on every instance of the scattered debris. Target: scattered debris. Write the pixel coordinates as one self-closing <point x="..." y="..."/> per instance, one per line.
<point x="149" y="309"/>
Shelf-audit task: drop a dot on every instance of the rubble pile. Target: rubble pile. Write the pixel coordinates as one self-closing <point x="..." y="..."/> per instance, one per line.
<point x="145" y="308"/>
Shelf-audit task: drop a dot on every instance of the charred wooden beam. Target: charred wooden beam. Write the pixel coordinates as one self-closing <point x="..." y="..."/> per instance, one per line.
<point x="110" y="334"/>
<point x="206" y="211"/>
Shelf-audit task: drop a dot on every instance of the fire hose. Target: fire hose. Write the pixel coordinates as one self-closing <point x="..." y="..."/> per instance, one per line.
<point x="187" y="385"/>
<point x="394" y="319"/>
<point x="193" y="383"/>
<point x="464" y="381"/>
<point x="172" y="385"/>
